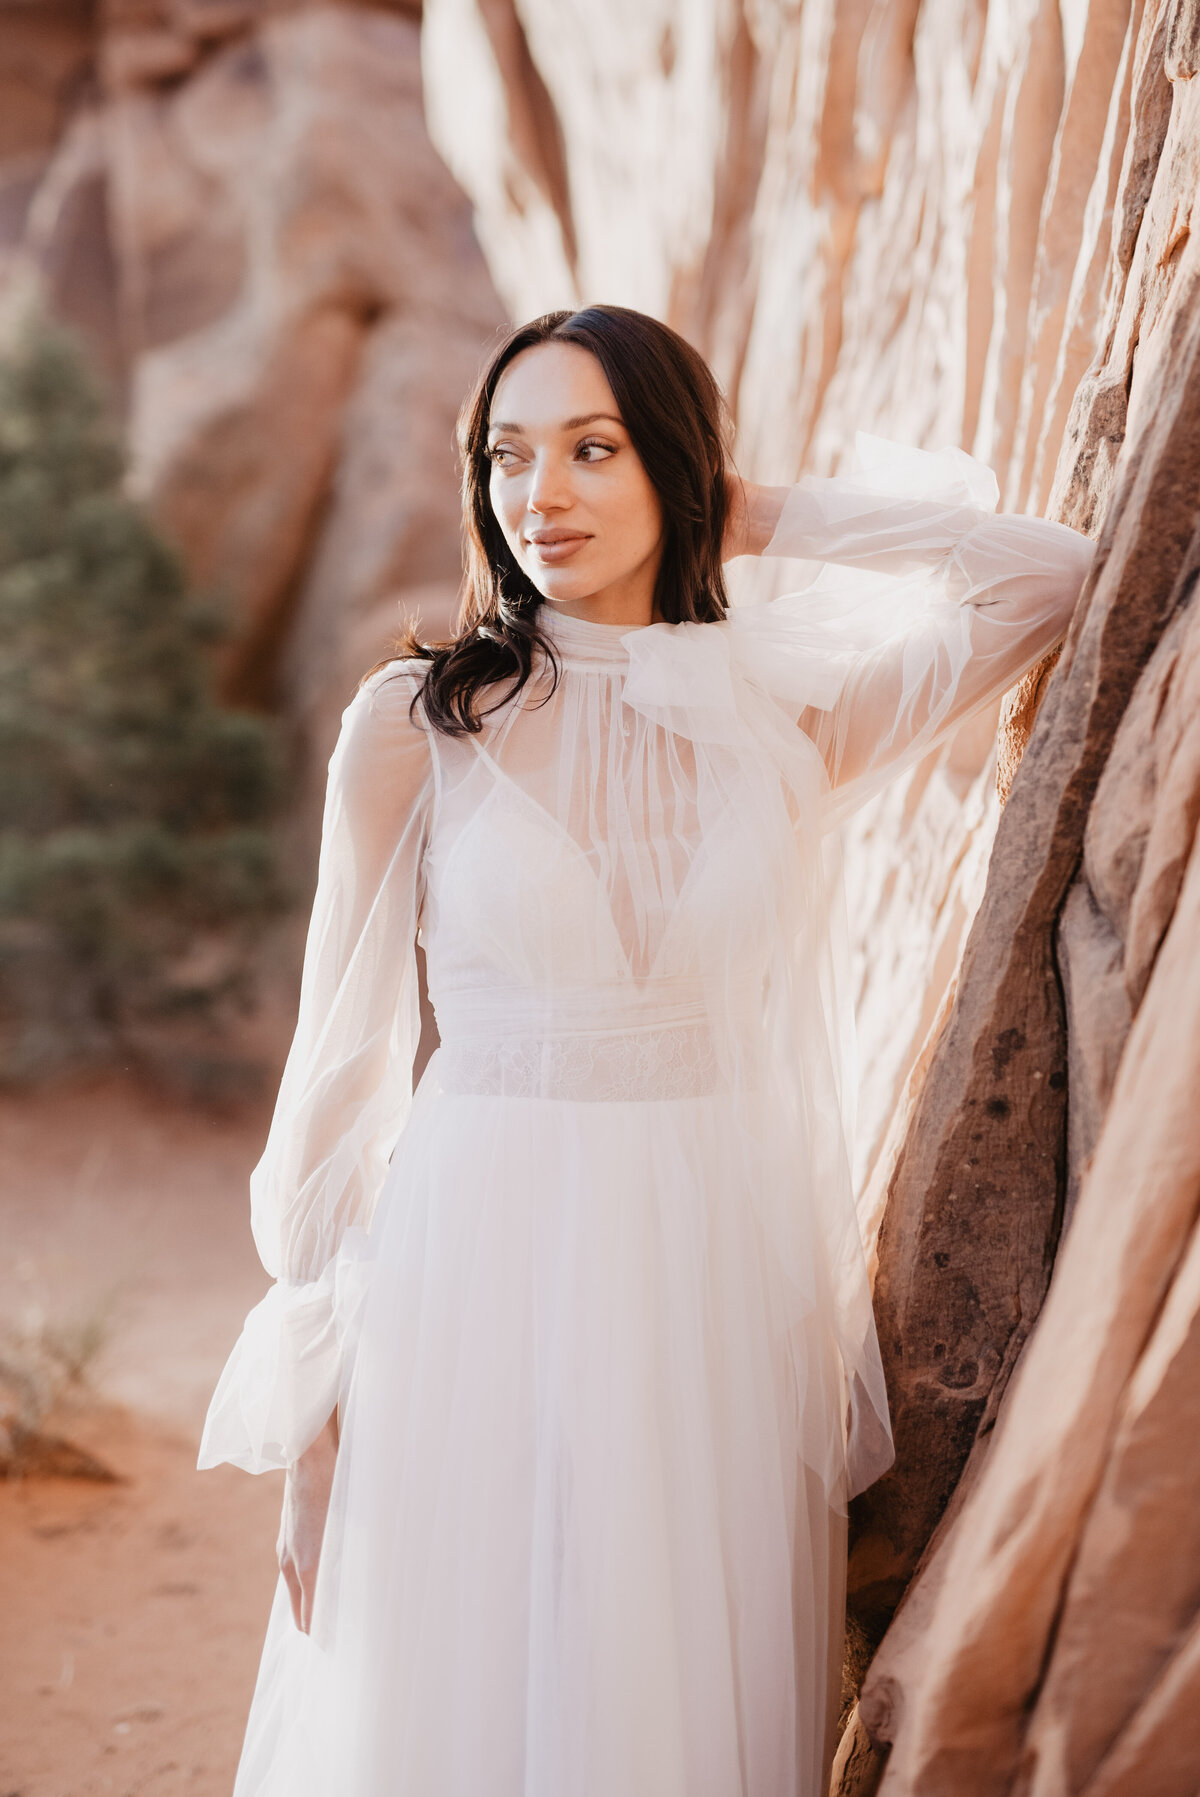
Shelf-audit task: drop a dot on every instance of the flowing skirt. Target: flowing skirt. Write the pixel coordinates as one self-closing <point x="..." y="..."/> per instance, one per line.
<point x="577" y="1545"/>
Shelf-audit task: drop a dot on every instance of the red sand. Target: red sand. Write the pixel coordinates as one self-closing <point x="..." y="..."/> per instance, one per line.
<point x="133" y="1613"/>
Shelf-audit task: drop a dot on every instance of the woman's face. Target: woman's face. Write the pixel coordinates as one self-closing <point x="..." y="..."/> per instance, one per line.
<point x="574" y="502"/>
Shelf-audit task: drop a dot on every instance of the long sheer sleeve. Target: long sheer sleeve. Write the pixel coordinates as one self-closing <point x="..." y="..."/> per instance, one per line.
<point x="933" y="605"/>
<point x="346" y="1087"/>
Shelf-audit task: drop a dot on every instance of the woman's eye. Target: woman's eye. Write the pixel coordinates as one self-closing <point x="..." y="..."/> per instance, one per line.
<point x="592" y="450"/>
<point x="502" y="456"/>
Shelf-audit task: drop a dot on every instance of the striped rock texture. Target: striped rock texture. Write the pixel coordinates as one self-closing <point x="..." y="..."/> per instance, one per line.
<point x="947" y="222"/>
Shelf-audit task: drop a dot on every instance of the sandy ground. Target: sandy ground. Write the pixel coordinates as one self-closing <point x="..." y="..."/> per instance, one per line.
<point x="132" y="1614"/>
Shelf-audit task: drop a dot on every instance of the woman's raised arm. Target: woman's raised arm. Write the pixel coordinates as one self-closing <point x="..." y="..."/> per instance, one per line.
<point x="942" y="604"/>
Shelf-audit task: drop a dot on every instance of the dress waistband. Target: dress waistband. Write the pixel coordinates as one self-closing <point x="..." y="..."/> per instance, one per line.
<point x="629" y="1007"/>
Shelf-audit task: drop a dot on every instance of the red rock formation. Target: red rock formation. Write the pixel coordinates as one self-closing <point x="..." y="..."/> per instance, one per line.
<point x="239" y="205"/>
<point x="949" y="223"/>
<point x="928" y="218"/>
<point x="871" y="214"/>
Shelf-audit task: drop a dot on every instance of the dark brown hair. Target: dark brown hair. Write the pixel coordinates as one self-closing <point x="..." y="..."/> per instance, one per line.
<point x="677" y="422"/>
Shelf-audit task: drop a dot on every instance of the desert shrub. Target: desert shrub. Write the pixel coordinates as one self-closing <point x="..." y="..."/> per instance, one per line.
<point x="46" y="1367"/>
<point x="137" y="863"/>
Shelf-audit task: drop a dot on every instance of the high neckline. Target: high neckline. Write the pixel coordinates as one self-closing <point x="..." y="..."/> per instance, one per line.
<point x="583" y="640"/>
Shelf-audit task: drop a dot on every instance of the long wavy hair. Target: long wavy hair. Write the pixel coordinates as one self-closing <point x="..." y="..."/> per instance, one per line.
<point x="678" y="424"/>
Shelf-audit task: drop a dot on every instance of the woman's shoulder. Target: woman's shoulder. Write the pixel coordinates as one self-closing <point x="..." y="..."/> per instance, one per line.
<point x="388" y="691"/>
<point x="408" y="670"/>
<point x="384" y="717"/>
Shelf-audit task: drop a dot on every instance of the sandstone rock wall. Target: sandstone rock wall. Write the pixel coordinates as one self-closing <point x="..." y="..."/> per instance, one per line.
<point x="937" y="219"/>
<point x="237" y="202"/>
<point x="1044" y="1646"/>
<point x="950" y="222"/>
<point x="883" y="215"/>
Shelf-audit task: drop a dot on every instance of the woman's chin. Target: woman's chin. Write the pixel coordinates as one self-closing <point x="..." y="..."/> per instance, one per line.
<point x="562" y="586"/>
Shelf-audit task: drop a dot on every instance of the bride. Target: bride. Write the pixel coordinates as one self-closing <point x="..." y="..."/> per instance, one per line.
<point x="570" y="1359"/>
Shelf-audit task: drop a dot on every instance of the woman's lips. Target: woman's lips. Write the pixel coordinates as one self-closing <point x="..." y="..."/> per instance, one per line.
<point x="557" y="549"/>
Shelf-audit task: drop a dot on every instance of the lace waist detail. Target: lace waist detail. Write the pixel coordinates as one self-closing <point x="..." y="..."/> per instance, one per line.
<point x="640" y="1041"/>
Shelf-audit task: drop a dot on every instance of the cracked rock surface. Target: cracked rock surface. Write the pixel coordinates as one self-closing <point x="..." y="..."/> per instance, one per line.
<point x="952" y="223"/>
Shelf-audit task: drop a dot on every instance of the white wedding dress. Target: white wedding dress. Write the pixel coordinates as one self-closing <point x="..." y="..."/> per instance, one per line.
<point x="593" y="1306"/>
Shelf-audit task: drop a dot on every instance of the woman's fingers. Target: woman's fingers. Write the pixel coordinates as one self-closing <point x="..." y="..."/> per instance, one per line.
<point x="302" y="1526"/>
<point x="753" y="515"/>
<point x="301" y="1581"/>
<point x="295" y="1592"/>
<point x="302" y="1530"/>
<point x="735" y="541"/>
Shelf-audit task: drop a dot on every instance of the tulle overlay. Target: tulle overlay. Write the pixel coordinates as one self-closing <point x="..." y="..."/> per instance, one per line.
<point x="600" y="1332"/>
<point x="573" y="1469"/>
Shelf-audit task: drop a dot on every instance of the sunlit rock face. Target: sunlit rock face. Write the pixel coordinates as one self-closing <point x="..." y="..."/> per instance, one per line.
<point x="870" y="215"/>
<point x="239" y="206"/>
<point x="933" y="219"/>
<point x="956" y="223"/>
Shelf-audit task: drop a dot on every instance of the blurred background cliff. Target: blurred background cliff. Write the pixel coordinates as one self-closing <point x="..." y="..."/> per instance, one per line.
<point x="282" y="236"/>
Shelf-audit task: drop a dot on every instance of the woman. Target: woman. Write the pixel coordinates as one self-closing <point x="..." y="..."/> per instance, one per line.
<point x="572" y="1390"/>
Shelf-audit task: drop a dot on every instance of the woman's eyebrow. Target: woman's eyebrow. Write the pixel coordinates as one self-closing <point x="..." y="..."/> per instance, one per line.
<point x="568" y="424"/>
<point x="573" y="424"/>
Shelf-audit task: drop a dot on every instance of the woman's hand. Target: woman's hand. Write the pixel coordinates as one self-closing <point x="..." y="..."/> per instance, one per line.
<point x="302" y="1526"/>
<point x="751" y="515"/>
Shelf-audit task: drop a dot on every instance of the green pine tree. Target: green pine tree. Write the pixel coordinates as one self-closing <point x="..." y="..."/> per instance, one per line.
<point x="137" y="865"/>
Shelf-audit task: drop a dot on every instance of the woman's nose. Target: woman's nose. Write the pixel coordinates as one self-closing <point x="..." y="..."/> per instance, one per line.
<point x="549" y="489"/>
